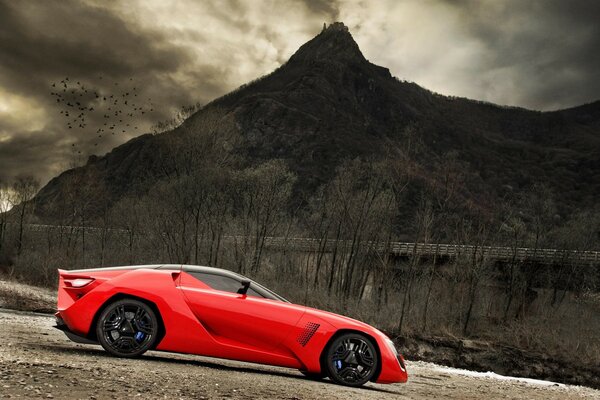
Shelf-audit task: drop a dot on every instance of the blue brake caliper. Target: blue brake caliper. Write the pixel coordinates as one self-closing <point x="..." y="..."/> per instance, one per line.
<point x="337" y="364"/>
<point x="139" y="336"/>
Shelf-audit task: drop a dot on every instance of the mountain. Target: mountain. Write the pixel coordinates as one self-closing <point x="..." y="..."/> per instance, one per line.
<point x="328" y="104"/>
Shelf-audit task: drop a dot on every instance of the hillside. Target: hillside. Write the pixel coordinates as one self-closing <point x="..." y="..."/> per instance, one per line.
<point x="328" y="104"/>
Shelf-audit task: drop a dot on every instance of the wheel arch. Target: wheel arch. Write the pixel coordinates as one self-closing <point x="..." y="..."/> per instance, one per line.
<point x="123" y="296"/>
<point x="343" y="331"/>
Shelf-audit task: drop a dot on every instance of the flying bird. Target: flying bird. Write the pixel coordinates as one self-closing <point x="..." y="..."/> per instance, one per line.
<point x="100" y="110"/>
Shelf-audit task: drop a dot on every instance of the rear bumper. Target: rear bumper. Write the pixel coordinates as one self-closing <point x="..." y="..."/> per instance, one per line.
<point x="62" y="326"/>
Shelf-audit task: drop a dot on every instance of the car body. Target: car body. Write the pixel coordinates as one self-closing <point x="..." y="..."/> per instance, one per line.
<point x="217" y="313"/>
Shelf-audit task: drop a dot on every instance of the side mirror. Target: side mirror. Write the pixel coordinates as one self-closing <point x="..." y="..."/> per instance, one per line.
<point x="244" y="289"/>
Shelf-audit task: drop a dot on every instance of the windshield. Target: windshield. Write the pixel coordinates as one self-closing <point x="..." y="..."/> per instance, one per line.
<point x="260" y="288"/>
<point x="255" y="286"/>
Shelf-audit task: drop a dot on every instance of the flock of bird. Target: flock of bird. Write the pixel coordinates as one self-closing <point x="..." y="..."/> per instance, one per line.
<point x="107" y="111"/>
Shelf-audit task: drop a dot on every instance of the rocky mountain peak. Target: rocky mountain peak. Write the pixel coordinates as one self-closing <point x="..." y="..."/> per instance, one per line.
<point x="334" y="43"/>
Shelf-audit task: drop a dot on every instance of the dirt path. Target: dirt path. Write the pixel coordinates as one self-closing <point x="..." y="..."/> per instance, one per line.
<point x="38" y="361"/>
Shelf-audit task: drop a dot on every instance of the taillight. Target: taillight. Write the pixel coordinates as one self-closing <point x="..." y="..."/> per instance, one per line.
<point x="78" y="282"/>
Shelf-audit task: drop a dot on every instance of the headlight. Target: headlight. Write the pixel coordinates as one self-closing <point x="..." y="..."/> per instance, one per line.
<point x="392" y="348"/>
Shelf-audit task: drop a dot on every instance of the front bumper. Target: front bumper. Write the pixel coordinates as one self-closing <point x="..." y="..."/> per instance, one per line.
<point x="393" y="367"/>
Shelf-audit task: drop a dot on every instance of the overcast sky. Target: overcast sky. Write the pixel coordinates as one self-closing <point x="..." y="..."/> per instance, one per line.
<point x="536" y="54"/>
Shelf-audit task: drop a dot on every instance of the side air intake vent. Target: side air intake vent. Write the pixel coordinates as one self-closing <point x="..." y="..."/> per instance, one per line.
<point x="307" y="333"/>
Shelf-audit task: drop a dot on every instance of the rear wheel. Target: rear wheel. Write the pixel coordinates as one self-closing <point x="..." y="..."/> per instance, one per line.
<point x="351" y="360"/>
<point x="127" y="328"/>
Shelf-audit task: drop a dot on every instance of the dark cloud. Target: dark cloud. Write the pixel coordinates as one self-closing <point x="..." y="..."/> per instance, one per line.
<point x="549" y="46"/>
<point x="44" y="42"/>
<point x="47" y="40"/>
<point x="328" y="8"/>
<point x="537" y="54"/>
<point x="33" y="153"/>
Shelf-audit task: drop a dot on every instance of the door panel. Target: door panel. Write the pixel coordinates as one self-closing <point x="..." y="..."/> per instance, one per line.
<point x="250" y="320"/>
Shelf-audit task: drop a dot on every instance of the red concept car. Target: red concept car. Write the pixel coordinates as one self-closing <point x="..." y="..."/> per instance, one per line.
<point x="217" y="313"/>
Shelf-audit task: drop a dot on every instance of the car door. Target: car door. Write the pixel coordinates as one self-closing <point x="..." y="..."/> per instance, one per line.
<point x="236" y="319"/>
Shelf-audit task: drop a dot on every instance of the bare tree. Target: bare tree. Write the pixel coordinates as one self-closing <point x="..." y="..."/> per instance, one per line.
<point x="580" y="233"/>
<point x="424" y="223"/>
<point x="216" y="211"/>
<point x="539" y="212"/>
<point x="261" y="196"/>
<point x="476" y="232"/>
<point x="23" y="190"/>
<point x="5" y="206"/>
<point x="128" y="214"/>
<point x="515" y="230"/>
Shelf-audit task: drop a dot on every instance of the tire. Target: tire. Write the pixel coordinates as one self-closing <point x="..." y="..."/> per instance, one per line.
<point x="351" y="360"/>
<point x="127" y="328"/>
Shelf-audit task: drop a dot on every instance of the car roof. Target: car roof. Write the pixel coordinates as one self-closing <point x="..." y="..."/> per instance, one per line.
<point x="169" y="267"/>
<point x="201" y="268"/>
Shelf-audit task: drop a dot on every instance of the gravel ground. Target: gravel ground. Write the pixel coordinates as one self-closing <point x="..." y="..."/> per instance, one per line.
<point x="38" y="361"/>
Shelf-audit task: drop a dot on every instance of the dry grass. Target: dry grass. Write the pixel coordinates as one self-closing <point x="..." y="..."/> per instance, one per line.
<point x="18" y="296"/>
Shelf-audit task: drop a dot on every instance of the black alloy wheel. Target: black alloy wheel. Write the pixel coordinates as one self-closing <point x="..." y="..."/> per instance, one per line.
<point x="127" y="328"/>
<point x="352" y="360"/>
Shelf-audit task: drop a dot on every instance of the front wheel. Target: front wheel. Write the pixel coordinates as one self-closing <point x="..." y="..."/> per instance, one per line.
<point x="127" y="328"/>
<point x="352" y="360"/>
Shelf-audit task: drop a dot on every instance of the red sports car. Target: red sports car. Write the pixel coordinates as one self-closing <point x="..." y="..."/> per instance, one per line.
<point x="218" y="313"/>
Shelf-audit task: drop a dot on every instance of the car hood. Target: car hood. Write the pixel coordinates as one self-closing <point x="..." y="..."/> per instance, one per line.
<point x="340" y="321"/>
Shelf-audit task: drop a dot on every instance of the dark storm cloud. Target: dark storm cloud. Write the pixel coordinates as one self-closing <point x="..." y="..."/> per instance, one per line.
<point x="329" y="8"/>
<point x="33" y="153"/>
<point x="550" y="46"/>
<point x="539" y="54"/>
<point x="43" y="42"/>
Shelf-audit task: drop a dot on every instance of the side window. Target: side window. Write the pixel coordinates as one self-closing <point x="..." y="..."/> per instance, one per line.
<point x="224" y="283"/>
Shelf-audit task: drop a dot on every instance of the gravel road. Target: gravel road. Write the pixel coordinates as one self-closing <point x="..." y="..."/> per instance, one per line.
<point x="38" y="361"/>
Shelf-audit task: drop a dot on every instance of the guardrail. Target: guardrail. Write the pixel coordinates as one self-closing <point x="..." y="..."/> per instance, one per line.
<point x="443" y="249"/>
<point x="396" y="248"/>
